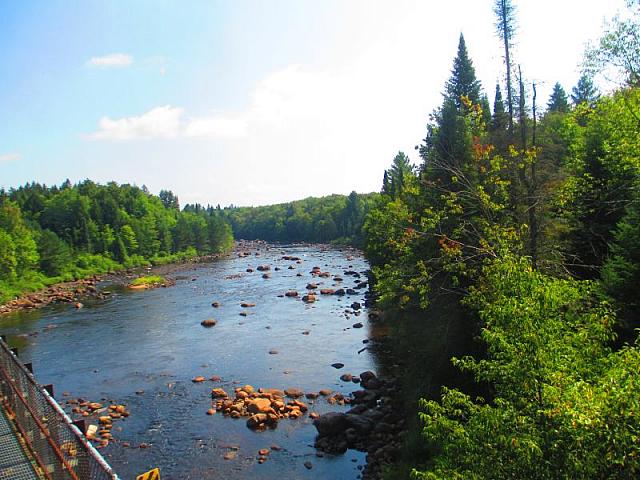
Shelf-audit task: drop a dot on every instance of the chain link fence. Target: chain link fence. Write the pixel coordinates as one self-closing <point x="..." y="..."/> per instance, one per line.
<point x="59" y="448"/>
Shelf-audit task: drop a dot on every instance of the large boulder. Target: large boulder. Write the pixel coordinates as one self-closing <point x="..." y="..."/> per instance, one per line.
<point x="218" y="393"/>
<point x="293" y="392"/>
<point x="360" y="423"/>
<point x="366" y="376"/>
<point x="257" y="420"/>
<point x="332" y="423"/>
<point x="259" y="405"/>
<point x="271" y="392"/>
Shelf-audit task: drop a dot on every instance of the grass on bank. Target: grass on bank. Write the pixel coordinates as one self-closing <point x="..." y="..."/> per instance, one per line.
<point x="85" y="265"/>
<point x="148" y="280"/>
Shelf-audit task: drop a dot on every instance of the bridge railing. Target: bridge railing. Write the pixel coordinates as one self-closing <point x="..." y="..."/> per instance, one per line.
<point x="57" y="445"/>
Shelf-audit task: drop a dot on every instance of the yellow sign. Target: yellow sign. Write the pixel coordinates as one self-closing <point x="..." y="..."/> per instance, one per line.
<point x="150" y="475"/>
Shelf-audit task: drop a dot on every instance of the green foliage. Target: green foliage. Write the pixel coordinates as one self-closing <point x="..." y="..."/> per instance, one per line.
<point x="558" y="101"/>
<point x="564" y="405"/>
<point x="325" y="219"/>
<point x="25" y="250"/>
<point x="585" y="92"/>
<point x="55" y="255"/>
<point x="89" y="264"/>
<point x="446" y="224"/>
<point x="148" y="280"/>
<point x="621" y="271"/>
<point x="73" y="231"/>
<point x="8" y="260"/>
<point x="617" y="53"/>
<point x="398" y="177"/>
<point x="463" y="82"/>
<point x="605" y="165"/>
<point x="501" y="226"/>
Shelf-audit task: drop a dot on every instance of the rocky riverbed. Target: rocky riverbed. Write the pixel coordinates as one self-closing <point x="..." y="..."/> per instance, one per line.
<point x="257" y="365"/>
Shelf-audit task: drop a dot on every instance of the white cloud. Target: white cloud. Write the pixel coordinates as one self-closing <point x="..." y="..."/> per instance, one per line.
<point x="10" y="157"/>
<point x="159" y="122"/>
<point x="334" y="123"/>
<point x="112" y="60"/>
<point x="167" y="122"/>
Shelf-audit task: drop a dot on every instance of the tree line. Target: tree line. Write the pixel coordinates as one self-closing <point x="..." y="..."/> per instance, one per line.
<point x="529" y="216"/>
<point x="58" y="233"/>
<point x="334" y="218"/>
<point x="51" y="234"/>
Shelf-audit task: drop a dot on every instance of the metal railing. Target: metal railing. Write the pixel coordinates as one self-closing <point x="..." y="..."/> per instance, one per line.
<point x="59" y="448"/>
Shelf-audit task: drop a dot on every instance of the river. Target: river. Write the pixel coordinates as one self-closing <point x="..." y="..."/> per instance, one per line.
<point x="143" y="348"/>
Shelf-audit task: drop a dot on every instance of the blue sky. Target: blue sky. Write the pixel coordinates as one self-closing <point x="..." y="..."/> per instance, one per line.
<point x="250" y="102"/>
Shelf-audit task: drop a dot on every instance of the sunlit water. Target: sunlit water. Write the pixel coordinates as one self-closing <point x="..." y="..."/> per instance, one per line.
<point x="152" y="341"/>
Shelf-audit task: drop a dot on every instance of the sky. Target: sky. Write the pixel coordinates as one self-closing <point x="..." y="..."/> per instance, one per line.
<point x="251" y="102"/>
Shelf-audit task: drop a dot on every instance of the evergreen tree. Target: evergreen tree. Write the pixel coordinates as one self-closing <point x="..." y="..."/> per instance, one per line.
<point x="558" y="100"/>
<point x="486" y="109"/>
<point x="585" y="92"/>
<point x="55" y="255"/>
<point x="447" y="146"/>
<point x="398" y="175"/>
<point x="463" y="78"/>
<point x="499" y="118"/>
<point x="169" y="200"/>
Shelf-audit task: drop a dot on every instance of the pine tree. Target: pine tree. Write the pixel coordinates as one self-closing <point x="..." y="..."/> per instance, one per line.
<point x="558" y="100"/>
<point x="463" y="77"/>
<point x="585" y="92"/>
<point x="486" y="109"/>
<point x="398" y="175"/>
<point x="499" y="118"/>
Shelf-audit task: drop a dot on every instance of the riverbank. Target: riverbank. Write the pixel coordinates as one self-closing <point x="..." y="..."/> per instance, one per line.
<point x="78" y="291"/>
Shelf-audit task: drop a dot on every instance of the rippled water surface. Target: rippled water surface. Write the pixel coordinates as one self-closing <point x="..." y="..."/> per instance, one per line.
<point x="152" y="341"/>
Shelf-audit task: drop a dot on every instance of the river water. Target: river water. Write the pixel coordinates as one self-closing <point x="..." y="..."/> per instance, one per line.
<point x="152" y="341"/>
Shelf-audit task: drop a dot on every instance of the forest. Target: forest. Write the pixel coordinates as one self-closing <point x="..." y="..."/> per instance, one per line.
<point x="526" y="216"/>
<point x="54" y="234"/>
<point x="523" y="213"/>
<point x="335" y="218"/>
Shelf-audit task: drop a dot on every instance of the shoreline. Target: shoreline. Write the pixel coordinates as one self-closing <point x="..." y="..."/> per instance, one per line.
<point x="77" y="291"/>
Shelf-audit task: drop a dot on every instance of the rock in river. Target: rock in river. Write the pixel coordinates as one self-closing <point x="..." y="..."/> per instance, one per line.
<point x="293" y="392"/>
<point x="259" y="405"/>
<point x="332" y="423"/>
